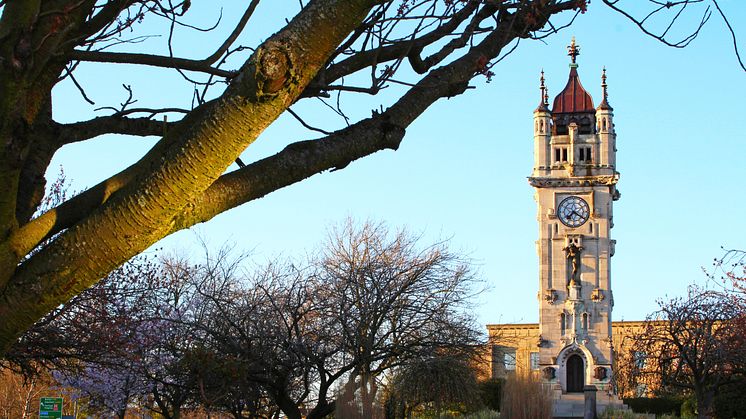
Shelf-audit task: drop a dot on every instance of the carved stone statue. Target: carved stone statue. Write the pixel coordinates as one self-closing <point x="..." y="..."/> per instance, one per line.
<point x="573" y="255"/>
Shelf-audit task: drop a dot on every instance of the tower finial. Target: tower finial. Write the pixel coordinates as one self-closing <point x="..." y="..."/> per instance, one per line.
<point x="573" y="50"/>
<point x="542" y="87"/>
<point x="605" y="98"/>
<point x="543" y="99"/>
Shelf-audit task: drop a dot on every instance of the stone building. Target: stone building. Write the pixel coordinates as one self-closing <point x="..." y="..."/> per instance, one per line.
<point x="574" y="179"/>
<point x="515" y="351"/>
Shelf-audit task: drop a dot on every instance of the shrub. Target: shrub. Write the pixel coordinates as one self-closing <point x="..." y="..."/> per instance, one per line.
<point x="433" y="387"/>
<point x="525" y="398"/>
<point x="491" y="392"/>
<point x="689" y="408"/>
<point x="482" y="414"/>
<point x="730" y="402"/>
<point x="655" y="405"/>
<point x="619" y="414"/>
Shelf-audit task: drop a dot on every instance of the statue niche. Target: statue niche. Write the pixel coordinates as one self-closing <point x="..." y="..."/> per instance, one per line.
<point x="572" y="253"/>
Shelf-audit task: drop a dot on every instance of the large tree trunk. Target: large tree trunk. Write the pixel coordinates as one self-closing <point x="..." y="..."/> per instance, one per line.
<point x="185" y="163"/>
<point x="288" y="406"/>
<point x="181" y="181"/>
<point x="705" y="404"/>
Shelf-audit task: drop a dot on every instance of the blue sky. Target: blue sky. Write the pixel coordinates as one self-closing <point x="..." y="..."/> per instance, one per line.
<point x="461" y="171"/>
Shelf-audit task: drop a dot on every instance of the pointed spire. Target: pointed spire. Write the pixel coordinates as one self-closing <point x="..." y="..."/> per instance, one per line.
<point x="543" y="100"/>
<point x="604" y="102"/>
<point x="542" y="82"/>
<point x="573" y="98"/>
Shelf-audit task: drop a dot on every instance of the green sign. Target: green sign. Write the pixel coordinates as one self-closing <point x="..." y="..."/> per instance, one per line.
<point x="50" y="408"/>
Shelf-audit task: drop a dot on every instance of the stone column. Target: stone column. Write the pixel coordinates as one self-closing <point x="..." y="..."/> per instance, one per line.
<point x="590" y="402"/>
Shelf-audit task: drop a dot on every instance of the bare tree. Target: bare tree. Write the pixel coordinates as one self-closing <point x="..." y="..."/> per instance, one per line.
<point x="125" y="340"/>
<point x="18" y="394"/>
<point x="729" y="271"/>
<point x="93" y="326"/>
<point x="182" y="180"/>
<point x="370" y="301"/>
<point x="694" y="344"/>
<point x="388" y="296"/>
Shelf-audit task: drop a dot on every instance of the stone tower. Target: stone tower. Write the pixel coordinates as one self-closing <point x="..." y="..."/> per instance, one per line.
<point x="574" y="178"/>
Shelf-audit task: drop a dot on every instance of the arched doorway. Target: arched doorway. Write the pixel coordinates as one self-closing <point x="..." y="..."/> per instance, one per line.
<point x="575" y="374"/>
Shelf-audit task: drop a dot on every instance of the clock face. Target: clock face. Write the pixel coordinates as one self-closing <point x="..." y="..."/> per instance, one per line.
<point x="573" y="211"/>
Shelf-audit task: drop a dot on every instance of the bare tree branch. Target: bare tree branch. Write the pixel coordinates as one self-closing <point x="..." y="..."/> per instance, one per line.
<point x="661" y="36"/>
<point x="151" y="60"/>
<point x="732" y="34"/>
<point x="80" y="131"/>
<point x="236" y="32"/>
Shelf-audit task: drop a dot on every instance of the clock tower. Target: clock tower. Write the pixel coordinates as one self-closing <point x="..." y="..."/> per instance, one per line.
<point x="574" y="178"/>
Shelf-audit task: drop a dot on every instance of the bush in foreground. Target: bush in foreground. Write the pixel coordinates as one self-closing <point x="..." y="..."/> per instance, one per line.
<point x="525" y="398"/>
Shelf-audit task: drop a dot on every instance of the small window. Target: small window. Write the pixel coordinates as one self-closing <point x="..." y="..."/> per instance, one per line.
<point x="509" y="359"/>
<point x="560" y="155"/>
<point x="641" y="390"/>
<point x="639" y="357"/>
<point x="585" y="322"/>
<point x="562" y="323"/>
<point x="534" y="360"/>
<point x="584" y="154"/>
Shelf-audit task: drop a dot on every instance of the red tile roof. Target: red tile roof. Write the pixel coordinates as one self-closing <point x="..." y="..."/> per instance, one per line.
<point x="573" y="97"/>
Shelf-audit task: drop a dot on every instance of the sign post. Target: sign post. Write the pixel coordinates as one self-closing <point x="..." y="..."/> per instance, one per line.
<point x="50" y="408"/>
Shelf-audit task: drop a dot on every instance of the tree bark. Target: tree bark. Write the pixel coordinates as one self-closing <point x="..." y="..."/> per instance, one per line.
<point x="181" y="181"/>
<point x="142" y="211"/>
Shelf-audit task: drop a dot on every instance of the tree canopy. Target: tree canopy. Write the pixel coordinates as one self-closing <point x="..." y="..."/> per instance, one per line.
<point x="440" y="45"/>
<point x="171" y="336"/>
<point x="694" y="345"/>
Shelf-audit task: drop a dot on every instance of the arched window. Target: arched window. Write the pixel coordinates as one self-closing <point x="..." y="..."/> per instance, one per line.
<point x="585" y="322"/>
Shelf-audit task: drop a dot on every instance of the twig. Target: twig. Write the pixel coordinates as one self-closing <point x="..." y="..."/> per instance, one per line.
<point x="306" y="125"/>
<point x="80" y="88"/>
<point x="732" y="34"/>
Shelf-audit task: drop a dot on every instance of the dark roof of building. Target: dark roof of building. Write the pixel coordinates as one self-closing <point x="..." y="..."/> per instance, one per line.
<point x="573" y="98"/>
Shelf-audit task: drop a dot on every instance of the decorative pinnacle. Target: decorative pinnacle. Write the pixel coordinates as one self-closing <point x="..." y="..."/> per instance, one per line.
<point x="544" y="98"/>
<point x="543" y="87"/>
<point x="573" y="50"/>
<point x="603" y="83"/>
